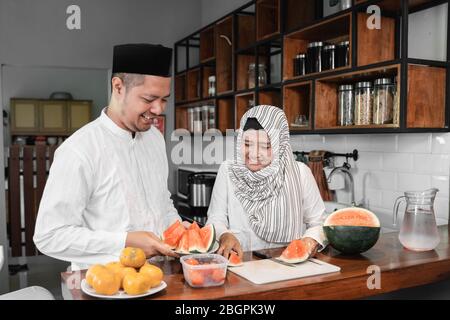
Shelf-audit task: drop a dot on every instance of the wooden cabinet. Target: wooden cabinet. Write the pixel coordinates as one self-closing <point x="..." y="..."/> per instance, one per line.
<point x="48" y="117"/>
<point x="263" y="32"/>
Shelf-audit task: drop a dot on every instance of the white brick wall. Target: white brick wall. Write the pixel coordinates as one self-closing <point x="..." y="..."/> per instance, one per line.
<point x="389" y="165"/>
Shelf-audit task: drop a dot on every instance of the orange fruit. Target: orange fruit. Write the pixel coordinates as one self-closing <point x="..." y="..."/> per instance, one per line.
<point x="92" y="272"/>
<point x="192" y="262"/>
<point x="154" y="274"/>
<point x="115" y="266"/>
<point x="120" y="270"/>
<point x="106" y="282"/>
<point x="196" y="277"/>
<point x="133" y="257"/>
<point x="136" y="283"/>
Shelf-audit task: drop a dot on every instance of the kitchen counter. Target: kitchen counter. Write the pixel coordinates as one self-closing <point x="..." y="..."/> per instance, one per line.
<point x="399" y="267"/>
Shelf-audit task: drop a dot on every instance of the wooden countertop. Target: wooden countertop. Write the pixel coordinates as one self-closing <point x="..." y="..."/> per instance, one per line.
<point x="400" y="269"/>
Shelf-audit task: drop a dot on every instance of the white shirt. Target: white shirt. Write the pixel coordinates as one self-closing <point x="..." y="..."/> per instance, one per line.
<point x="227" y="214"/>
<point x="103" y="184"/>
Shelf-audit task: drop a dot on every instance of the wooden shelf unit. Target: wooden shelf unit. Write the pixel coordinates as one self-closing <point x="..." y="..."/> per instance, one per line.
<point x="422" y="85"/>
<point x="243" y="102"/>
<point x="180" y="88"/>
<point x="207" y="44"/>
<point x="193" y="84"/>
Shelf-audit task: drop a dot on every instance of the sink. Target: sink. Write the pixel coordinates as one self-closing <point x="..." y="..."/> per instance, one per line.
<point x="385" y="219"/>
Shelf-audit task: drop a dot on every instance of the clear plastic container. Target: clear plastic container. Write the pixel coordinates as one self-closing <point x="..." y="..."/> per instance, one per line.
<point x="346" y="105"/>
<point x="210" y="272"/>
<point x="198" y="125"/>
<point x="205" y="118"/>
<point x="190" y="112"/>
<point x="212" y="117"/>
<point x="383" y="101"/>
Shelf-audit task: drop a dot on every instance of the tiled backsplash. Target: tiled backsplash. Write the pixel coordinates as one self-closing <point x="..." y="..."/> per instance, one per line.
<point x="389" y="165"/>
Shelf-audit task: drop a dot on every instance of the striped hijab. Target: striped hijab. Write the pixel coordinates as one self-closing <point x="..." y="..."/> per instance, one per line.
<point x="271" y="197"/>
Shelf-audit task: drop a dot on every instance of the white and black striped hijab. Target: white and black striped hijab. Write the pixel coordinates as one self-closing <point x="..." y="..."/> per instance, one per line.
<point x="271" y="197"/>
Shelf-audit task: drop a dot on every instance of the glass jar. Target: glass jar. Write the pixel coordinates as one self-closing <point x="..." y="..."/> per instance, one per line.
<point x="212" y="86"/>
<point x="205" y="118"/>
<point x="300" y="65"/>
<point x="396" y="120"/>
<point x="383" y="101"/>
<point x="363" y="103"/>
<point x="328" y="57"/>
<point x="251" y="75"/>
<point x="342" y="54"/>
<point x="262" y="75"/>
<point x="212" y="117"/>
<point x="313" y="57"/>
<point x="346" y="105"/>
<point x="198" y="126"/>
<point x="190" y="113"/>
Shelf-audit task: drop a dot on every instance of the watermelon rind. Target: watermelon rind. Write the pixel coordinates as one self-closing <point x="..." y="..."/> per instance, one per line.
<point x="196" y="244"/>
<point x="352" y="239"/>
<point x="294" y="260"/>
<point x="209" y="242"/>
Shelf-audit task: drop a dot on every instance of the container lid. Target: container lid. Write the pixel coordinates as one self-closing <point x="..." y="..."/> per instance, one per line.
<point x="345" y="87"/>
<point x="330" y="46"/>
<point x="190" y="110"/>
<point x="364" y="84"/>
<point x="344" y="43"/>
<point x="315" y="44"/>
<point x="212" y="78"/>
<point x="205" y="108"/>
<point x="382" y="81"/>
<point x="301" y="55"/>
<point x="198" y="109"/>
<point x="252" y="65"/>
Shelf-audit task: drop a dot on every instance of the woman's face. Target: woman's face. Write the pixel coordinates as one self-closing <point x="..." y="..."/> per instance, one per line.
<point x="257" y="149"/>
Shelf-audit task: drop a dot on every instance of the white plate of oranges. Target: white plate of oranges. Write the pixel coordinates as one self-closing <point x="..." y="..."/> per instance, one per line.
<point x="131" y="277"/>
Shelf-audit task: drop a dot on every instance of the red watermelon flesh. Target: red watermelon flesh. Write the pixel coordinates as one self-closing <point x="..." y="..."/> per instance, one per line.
<point x="183" y="245"/>
<point x="194" y="226"/>
<point x="296" y="252"/>
<point x="173" y="234"/>
<point x="234" y="260"/>
<point x="355" y="217"/>
<point x="196" y="244"/>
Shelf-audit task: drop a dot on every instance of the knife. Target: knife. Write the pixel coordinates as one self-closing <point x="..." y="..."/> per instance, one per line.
<point x="261" y="255"/>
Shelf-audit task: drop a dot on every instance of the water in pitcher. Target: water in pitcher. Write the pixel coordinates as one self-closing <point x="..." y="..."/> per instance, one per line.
<point x="419" y="231"/>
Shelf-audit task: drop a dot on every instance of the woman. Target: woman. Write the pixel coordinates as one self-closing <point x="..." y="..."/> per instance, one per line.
<point x="265" y="196"/>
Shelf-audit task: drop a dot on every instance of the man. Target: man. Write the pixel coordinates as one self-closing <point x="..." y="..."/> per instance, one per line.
<point x="107" y="187"/>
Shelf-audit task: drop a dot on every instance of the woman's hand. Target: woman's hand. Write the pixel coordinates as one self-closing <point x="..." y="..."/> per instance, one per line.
<point x="227" y="243"/>
<point x="313" y="246"/>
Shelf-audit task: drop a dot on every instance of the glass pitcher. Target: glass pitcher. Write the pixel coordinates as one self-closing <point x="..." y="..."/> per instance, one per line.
<point x="418" y="231"/>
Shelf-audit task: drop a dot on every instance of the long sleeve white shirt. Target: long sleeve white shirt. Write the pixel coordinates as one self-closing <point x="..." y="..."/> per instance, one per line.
<point x="227" y="214"/>
<point x="102" y="184"/>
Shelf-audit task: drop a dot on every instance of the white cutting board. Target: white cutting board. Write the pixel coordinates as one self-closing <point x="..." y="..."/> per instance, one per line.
<point x="267" y="271"/>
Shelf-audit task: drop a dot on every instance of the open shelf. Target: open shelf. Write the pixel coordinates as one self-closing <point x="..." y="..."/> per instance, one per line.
<point x="267" y="18"/>
<point x="225" y="114"/>
<point x="193" y="84"/>
<point x="246" y="30"/>
<point x="301" y="13"/>
<point x="331" y="31"/>
<point x="207" y="71"/>
<point x="244" y="102"/>
<point x="326" y="95"/>
<point x="242" y="67"/>
<point x="207" y="44"/>
<point x="224" y="55"/>
<point x="180" y="87"/>
<point x="181" y="118"/>
<point x="270" y="97"/>
<point x="297" y="100"/>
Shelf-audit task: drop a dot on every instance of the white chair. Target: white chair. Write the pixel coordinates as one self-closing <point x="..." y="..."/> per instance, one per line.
<point x="30" y="293"/>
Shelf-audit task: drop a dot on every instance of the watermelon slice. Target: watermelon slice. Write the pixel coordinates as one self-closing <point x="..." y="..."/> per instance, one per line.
<point x="195" y="242"/>
<point x="296" y="252"/>
<point x="208" y="235"/>
<point x="183" y="245"/>
<point x="234" y="260"/>
<point x="173" y="234"/>
<point x="194" y="226"/>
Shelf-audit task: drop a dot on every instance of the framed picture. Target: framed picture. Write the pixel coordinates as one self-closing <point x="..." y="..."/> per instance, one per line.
<point x="160" y="123"/>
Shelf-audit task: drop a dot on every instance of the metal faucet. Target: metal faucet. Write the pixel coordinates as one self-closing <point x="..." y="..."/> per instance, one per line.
<point x="345" y="169"/>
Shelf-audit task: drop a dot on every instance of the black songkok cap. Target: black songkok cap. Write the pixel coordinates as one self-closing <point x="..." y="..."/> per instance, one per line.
<point x="142" y="58"/>
<point x="253" y="123"/>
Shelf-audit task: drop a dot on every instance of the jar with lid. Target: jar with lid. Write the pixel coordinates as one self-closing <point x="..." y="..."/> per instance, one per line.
<point x="342" y="54"/>
<point x="363" y="103"/>
<point x="383" y="101"/>
<point x="205" y="118"/>
<point x="190" y="112"/>
<point x="346" y="105"/>
<point x="212" y="117"/>
<point x="300" y="65"/>
<point x="198" y="126"/>
<point x="262" y="75"/>
<point x="212" y="86"/>
<point x="313" y="57"/>
<point x="328" y="57"/>
<point x="251" y="75"/>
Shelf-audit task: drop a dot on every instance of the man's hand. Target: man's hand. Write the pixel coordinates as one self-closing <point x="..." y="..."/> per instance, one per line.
<point x="150" y="243"/>
<point x="227" y="243"/>
<point x="313" y="246"/>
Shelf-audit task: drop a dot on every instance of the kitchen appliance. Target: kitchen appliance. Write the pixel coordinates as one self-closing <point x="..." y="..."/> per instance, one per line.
<point x="194" y="188"/>
<point x="419" y="231"/>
